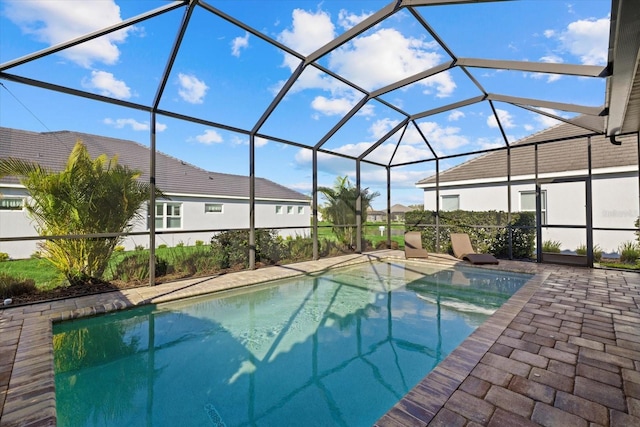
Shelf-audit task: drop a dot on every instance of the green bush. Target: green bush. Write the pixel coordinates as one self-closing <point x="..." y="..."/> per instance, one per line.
<point x="4" y="256"/>
<point x="119" y="248"/>
<point x="232" y="247"/>
<point x="551" y="246"/>
<point x="12" y="286"/>
<point x="162" y="246"/>
<point x="191" y="260"/>
<point x="597" y="252"/>
<point x="487" y="230"/>
<point x="199" y="243"/>
<point x="135" y="266"/>
<point x="629" y="252"/>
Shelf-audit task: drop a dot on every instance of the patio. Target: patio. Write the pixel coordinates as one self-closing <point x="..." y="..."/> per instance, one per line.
<point x="562" y="351"/>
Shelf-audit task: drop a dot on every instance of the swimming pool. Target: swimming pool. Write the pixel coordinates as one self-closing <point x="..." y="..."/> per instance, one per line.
<point x="335" y="349"/>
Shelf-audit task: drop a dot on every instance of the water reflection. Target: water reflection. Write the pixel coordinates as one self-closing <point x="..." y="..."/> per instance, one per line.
<point x="338" y="349"/>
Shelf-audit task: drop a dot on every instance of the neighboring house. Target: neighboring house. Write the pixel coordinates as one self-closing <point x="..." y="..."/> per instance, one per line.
<point x="397" y="214"/>
<point x="480" y="184"/>
<point x="199" y="199"/>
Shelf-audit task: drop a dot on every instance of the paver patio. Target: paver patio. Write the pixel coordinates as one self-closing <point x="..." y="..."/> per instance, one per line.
<point x="563" y="351"/>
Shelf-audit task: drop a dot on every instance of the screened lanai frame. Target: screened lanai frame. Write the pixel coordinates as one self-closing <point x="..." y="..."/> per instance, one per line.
<point x="618" y="116"/>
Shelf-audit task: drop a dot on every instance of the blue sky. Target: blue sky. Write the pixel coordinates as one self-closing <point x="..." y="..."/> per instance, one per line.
<point x="226" y="75"/>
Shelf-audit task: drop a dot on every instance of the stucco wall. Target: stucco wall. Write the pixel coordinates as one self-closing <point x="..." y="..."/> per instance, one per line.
<point x="235" y="214"/>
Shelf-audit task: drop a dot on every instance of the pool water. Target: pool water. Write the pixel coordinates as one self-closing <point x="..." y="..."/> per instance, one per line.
<point x="339" y="349"/>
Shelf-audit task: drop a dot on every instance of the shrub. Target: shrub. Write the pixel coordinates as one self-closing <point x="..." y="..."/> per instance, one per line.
<point x="180" y="245"/>
<point x="597" y="252"/>
<point x="551" y="246"/>
<point x="232" y="247"/>
<point x="118" y="248"/>
<point x="139" y="248"/>
<point x="629" y="252"/>
<point x="162" y="246"/>
<point x="135" y="266"/>
<point x="492" y="236"/>
<point x="12" y="286"/>
<point x="199" y="243"/>
<point x="298" y="248"/>
<point x="4" y="256"/>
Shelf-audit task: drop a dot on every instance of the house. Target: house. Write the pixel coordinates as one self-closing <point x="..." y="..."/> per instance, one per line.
<point x="397" y="214"/>
<point x="197" y="199"/>
<point x="480" y="184"/>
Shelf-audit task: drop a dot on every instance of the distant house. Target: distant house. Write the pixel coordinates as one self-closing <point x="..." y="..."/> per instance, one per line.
<point x="397" y="214"/>
<point x="199" y="199"/>
<point x="480" y="184"/>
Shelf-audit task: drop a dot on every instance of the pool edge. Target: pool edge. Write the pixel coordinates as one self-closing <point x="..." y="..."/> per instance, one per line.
<point x="421" y="404"/>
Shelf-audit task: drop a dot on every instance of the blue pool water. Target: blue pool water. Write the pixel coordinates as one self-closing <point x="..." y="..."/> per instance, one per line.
<point x="336" y="349"/>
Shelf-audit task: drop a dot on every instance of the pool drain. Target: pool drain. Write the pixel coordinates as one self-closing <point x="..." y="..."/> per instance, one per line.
<point x="214" y="416"/>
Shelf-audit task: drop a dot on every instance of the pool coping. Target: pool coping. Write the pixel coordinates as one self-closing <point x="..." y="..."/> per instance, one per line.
<point x="27" y="385"/>
<point x="421" y="404"/>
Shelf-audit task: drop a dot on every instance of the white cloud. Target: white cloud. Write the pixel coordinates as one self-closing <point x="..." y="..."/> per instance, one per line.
<point x="444" y="139"/>
<point x="488" y="143"/>
<point x="133" y="124"/>
<point x="381" y="127"/>
<point x="210" y="136"/>
<point x="309" y="32"/>
<point x="192" y="90"/>
<point x="241" y="140"/>
<point x="455" y="115"/>
<point x="549" y="59"/>
<point x="238" y="44"/>
<point x="107" y="85"/>
<point x="386" y="56"/>
<point x="332" y="107"/>
<point x="260" y="142"/>
<point x="54" y="22"/>
<point x="545" y="121"/>
<point x="347" y="19"/>
<point x="506" y="119"/>
<point x="586" y="38"/>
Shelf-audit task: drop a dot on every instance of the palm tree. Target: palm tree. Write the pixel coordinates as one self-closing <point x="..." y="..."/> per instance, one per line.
<point x="341" y="208"/>
<point x="88" y="196"/>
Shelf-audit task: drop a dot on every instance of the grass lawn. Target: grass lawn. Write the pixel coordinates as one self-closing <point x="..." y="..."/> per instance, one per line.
<point x="371" y="232"/>
<point x="40" y="270"/>
<point x="46" y="277"/>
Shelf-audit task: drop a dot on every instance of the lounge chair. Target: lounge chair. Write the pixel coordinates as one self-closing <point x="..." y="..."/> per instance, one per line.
<point x="413" y="245"/>
<point x="462" y="249"/>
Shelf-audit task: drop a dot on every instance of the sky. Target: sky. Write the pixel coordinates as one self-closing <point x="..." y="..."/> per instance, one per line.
<point x="226" y="75"/>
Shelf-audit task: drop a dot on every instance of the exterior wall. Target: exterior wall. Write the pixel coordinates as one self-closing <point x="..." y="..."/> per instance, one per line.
<point x="235" y="215"/>
<point x="615" y="204"/>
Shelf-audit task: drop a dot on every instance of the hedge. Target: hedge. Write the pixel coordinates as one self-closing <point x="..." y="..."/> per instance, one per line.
<point x="488" y="230"/>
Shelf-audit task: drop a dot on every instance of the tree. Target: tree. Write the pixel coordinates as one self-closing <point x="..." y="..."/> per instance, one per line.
<point x="341" y="208"/>
<point x="88" y="196"/>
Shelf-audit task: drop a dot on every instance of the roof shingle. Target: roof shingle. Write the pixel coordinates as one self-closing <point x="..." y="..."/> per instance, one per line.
<point x="51" y="150"/>
<point x="553" y="157"/>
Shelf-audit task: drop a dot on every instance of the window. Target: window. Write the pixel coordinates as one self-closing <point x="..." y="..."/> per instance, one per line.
<point x="300" y="210"/>
<point x="213" y="207"/>
<point x="11" y="203"/>
<point x="289" y="209"/>
<point x="279" y="209"/>
<point x="168" y="215"/>
<point x="528" y="203"/>
<point x="450" y="203"/>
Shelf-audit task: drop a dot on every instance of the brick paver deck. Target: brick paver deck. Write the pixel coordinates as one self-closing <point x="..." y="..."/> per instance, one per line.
<point x="563" y="351"/>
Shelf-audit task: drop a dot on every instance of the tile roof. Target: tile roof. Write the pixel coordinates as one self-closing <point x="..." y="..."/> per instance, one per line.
<point x="553" y="157"/>
<point x="51" y="149"/>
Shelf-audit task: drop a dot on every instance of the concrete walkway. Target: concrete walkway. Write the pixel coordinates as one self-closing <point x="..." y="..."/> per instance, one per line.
<point x="563" y="351"/>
